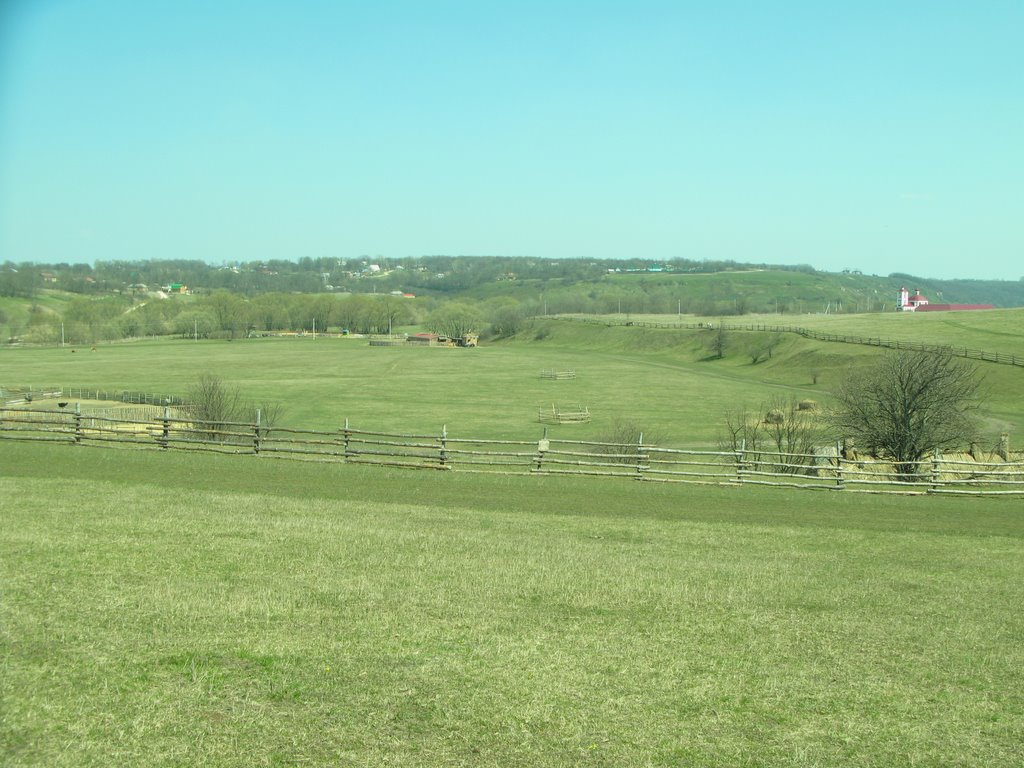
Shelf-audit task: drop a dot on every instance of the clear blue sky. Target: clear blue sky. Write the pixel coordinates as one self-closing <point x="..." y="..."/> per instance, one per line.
<point x="881" y="136"/>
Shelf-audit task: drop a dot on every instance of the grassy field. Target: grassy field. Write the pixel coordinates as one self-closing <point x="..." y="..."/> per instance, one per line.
<point x="798" y="367"/>
<point x="997" y="330"/>
<point x="174" y="609"/>
<point x="185" y="610"/>
<point x="491" y="391"/>
<point x="660" y="379"/>
<point x="15" y="311"/>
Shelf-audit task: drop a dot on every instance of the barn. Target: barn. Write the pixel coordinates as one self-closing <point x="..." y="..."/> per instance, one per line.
<point x="426" y="339"/>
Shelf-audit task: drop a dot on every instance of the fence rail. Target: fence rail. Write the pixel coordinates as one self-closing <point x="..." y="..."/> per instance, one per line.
<point x="873" y="341"/>
<point x="28" y="393"/>
<point x="825" y="469"/>
<point x="577" y="414"/>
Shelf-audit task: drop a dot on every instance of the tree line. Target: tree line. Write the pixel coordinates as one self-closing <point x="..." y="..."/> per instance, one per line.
<point x="441" y="275"/>
<point x="227" y="315"/>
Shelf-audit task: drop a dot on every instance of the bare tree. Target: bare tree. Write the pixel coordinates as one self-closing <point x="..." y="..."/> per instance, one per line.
<point x="622" y="441"/>
<point x="772" y="342"/>
<point x="215" y="408"/>
<point x="717" y="341"/>
<point x="793" y="432"/>
<point x="740" y="429"/>
<point x="777" y="436"/>
<point x="271" y="412"/>
<point x="212" y="404"/>
<point x="908" y="404"/>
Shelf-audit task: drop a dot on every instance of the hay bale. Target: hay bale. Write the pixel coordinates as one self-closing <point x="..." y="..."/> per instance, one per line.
<point x="774" y="416"/>
<point x="807" y="405"/>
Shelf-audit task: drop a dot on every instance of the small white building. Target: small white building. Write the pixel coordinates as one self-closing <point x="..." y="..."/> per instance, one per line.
<point x="907" y="303"/>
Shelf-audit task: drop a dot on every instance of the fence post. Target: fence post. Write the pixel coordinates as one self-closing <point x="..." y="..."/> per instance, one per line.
<point x="444" y="446"/>
<point x="1003" y="449"/>
<point x="165" y="430"/>
<point x="840" y="484"/>
<point x="936" y="466"/>
<point x="542" y="445"/>
<point x="640" y="457"/>
<point x="78" y="422"/>
<point x="256" y="434"/>
<point x="740" y="460"/>
<point x="346" y="437"/>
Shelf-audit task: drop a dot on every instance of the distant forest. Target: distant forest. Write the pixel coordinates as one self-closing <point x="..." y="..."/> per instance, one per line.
<point x="425" y="274"/>
<point x="449" y="294"/>
<point x="428" y="275"/>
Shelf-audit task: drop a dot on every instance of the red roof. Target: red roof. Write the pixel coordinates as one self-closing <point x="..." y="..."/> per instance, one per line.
<point x="952" y="307"/>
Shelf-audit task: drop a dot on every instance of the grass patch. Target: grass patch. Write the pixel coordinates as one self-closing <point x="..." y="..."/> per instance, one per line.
<point x="997" y="330"/>
<point x="174" y="609"/>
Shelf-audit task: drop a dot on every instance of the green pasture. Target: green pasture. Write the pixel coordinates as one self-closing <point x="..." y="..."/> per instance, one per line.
<point x="175" y="609"/>
<point x="795" y="364"/>
<point x="16" y="311"/>
<point x="492" y="391"/>
<point x="996" y="330"/>
<point x="662" y="380"/>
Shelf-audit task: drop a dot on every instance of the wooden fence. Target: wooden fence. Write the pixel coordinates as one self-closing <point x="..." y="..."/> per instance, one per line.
<point x="557" y="414"/>
<point x="825" y="469"/>
<point x="28" y="393"/>
<point x="872" y="341"/>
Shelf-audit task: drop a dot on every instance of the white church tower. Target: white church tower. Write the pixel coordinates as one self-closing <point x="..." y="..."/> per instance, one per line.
<point x="903" y="301"/>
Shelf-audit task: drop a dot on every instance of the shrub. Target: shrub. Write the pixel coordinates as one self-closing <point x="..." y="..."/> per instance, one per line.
<point x="785" y="429"/>
<point x="622" y="441"/>
<point x="212" y="404"/>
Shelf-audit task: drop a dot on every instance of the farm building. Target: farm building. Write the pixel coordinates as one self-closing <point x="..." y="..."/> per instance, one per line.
<point x="437" y="340"/>
<point x="427" y="339"/>
<point x="918" y="303"/>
